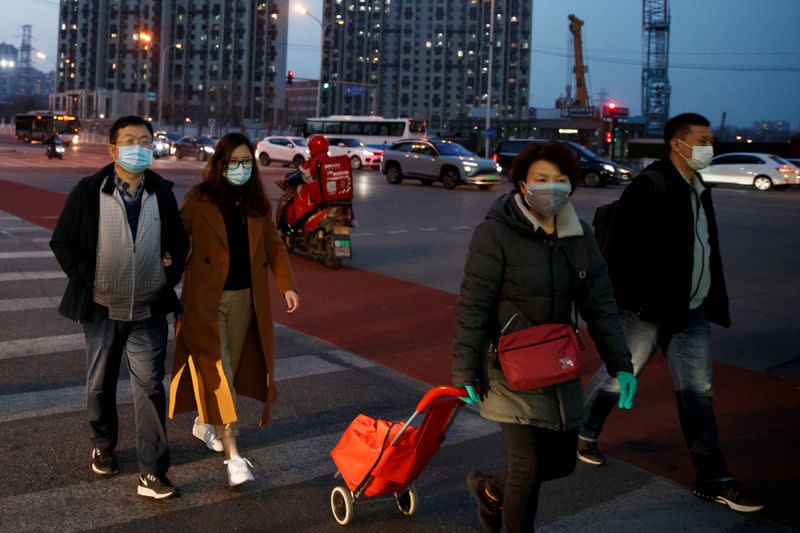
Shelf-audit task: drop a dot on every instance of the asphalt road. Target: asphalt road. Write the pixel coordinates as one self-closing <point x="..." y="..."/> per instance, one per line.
<point x="367" y="343"/>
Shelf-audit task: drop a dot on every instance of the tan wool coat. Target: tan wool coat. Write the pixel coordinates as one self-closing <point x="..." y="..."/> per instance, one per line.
<point x="198" y="379"/>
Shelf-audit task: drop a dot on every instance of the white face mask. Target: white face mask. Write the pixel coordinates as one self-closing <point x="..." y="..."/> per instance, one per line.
<point x="701" y="156"/>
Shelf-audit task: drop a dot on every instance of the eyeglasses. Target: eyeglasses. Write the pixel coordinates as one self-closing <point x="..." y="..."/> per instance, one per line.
<point x="245" y="163"/>
<point x="144" y="143"/>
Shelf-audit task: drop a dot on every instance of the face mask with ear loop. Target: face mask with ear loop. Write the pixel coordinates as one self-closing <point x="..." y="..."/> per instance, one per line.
<point x="701" y="156"/>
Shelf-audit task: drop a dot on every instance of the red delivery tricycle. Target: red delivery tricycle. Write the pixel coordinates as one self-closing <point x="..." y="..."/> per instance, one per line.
<point x="377" y="457"/>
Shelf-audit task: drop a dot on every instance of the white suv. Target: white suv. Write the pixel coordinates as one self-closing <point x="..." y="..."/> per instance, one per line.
<point x="762" y="171"/>
<point x="360" y="155"/>
<point x="286" y="150"/>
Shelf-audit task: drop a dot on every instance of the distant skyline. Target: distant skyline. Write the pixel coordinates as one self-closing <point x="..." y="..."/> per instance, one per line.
<point x="738" y="56"/>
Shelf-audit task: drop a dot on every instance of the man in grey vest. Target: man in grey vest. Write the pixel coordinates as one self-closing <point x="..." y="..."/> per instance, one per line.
<point x="121" y="243"/>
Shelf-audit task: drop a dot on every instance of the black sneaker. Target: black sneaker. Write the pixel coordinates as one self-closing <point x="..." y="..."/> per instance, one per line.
<point x="104" y="463"/>
<point x="728" y="493"/>
<point x="589" y="453"/>
<point x="490" y="506"/>
<point x="155" y="486"/>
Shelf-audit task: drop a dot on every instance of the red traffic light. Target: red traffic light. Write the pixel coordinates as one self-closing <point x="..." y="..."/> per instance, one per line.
<point x="612" y="105"/>
<point x="608" y="136"/>
<point x="291" y="74"/>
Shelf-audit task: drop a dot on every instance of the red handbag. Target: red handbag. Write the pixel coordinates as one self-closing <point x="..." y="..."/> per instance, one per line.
<point x="539" y="356"/>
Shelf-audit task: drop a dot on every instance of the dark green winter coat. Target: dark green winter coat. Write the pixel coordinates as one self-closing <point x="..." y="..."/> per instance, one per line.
<point x="513" y="267"/>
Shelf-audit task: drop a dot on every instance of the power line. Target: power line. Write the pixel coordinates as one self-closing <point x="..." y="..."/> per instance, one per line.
<point x="673" y="65"/>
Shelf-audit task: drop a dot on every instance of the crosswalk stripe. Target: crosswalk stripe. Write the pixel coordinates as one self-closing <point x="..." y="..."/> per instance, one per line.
<point x="27" y="304"/>
<point x="40" y="346"/>
<point x="35" y="275"/>
<point x="30" y="254"/>
<point x="73" y="399"/>
<point x="276" y="465"/>
<point x="26" y="229"/>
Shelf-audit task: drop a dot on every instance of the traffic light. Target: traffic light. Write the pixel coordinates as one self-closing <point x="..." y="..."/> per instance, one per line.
<point x="289" y="77"/>
<point x="326" y="84"/>
<point x="608" y="137"/>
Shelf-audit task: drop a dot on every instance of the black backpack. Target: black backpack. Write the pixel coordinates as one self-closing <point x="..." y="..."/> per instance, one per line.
<point x="604" y="216"/>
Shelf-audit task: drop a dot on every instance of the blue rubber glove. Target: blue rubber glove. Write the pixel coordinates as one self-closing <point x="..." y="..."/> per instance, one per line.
<point x="627" y="389"/>
<point x="473" y="396"/>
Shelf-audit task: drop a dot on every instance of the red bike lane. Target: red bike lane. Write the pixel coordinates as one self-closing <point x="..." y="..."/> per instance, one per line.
<point x="408" y="327"/>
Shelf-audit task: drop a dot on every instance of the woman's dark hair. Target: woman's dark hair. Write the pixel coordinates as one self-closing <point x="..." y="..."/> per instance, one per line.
<point x="558" y="153"/>
<point x="215" y="185"/>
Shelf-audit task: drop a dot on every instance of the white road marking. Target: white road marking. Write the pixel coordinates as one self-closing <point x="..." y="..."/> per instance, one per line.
<point x="460" y="228"/>
<point x="36" y="275"/>
<point x="73" y="399"/>
<point x="26" y="229"/>
<point x="202" y="482"/>
<point x="430" y="229"/>
<point x="397" y="231"/>
<point x="26" y="304"/>
<point x="38" y="254"/>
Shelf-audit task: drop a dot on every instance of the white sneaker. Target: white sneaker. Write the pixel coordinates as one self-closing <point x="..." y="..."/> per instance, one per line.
<point x="206" y="433"/>
<point x="239" y="470"/>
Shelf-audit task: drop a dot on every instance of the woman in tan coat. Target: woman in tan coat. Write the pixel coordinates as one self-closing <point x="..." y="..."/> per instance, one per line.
<point x="224" y="342"/>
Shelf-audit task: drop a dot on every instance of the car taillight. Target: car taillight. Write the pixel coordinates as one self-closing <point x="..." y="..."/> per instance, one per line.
<point x="495" y="158"/>
<point x="784" y="170"/>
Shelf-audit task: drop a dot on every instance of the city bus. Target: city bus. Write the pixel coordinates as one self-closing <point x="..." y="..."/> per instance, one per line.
<point x="370" y="130"/>
<point x="38" y="126"/>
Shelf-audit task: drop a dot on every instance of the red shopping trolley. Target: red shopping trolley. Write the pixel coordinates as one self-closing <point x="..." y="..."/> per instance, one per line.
<point x="377" y="457"/>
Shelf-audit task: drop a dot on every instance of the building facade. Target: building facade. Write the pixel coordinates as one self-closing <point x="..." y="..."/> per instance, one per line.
<point x="9" y="60"/>
<point x="220" y="60"/>
<point x="426" y="59"/>
<point x="301" y="101"/>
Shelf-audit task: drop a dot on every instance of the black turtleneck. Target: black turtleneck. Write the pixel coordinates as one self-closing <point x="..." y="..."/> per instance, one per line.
<point x="238" y="242"/>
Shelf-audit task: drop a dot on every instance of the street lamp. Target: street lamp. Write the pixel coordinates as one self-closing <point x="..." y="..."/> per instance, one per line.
<point x="147" y="39"/>
<point x="323" y="27"/>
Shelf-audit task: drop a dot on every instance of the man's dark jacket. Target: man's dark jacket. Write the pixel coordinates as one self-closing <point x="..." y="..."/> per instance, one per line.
<point x="74" y="242"/>
<point x="652" y="250"/>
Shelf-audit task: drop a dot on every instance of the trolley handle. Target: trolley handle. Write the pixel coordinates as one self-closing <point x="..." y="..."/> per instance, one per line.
<point x="431" y="396"/>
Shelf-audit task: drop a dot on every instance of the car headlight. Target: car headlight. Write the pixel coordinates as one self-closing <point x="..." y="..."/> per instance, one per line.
<point x="159" y="146"/>
<point x="367" y="153"/>
<point x="75" y="140"/>
<point x="208" y="149"/>
<point x="59" y="148"/>
<point x="609" y="168"/>
<point x="498" y="168"/>
<point x="469" y="166"/>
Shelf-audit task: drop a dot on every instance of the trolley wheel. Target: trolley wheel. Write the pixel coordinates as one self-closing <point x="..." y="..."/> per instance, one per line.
<point x="407" y="500"/>
<point x="342" y="505"/>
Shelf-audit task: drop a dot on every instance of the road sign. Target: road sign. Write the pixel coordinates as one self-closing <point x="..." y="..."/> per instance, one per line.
<point x="577" y="112"/>
<point x="212" y="123"/>
<point x="491" y="133"/>
<point x="355" y="90"/>
<point x="622" y="112"/>
<point x="151" y="96"/>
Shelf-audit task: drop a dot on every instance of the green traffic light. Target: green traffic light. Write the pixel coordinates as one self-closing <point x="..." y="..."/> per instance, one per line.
<point x="326" y="85"/>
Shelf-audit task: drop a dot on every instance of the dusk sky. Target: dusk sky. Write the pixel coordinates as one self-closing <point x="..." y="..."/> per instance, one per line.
<point x="739" y="56"/>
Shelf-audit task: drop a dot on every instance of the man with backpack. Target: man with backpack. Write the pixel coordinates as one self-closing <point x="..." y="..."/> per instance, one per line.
<point x="661" y="244"/>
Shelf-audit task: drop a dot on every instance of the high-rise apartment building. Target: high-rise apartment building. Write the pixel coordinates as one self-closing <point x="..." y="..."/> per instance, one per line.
<point x="427" y="59"/>
<point x="221" y="59"/>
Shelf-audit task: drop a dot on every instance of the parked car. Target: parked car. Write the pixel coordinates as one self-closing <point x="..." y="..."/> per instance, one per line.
<point x="596" y="171"/>
<point x="438" y="160"/>
<point x="360" y="155"/>
<point x="796" y="163"/>
<point x="201" y="148"/>
<point x="286" y="150"/>
<point x="761" y="171"/>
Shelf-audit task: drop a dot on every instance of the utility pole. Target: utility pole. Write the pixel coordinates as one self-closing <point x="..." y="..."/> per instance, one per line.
<point x="489" y="81"/>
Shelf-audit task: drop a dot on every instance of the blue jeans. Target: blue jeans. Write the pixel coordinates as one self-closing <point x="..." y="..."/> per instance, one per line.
<point x="144" y="344"/>
<point x="688" y="352"/>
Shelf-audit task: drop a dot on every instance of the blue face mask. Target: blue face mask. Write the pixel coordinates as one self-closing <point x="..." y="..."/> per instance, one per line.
<point x="239" y="175"/>
<point x="135" y="159"/>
